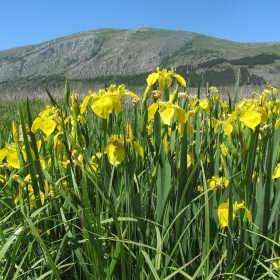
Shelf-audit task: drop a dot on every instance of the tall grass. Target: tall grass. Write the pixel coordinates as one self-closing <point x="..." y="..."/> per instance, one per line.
<point x="181" y="185"/>
<point x="9" y="108"/>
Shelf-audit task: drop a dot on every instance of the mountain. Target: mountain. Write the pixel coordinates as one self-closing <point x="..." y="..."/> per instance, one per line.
<point x="129" y="55"/>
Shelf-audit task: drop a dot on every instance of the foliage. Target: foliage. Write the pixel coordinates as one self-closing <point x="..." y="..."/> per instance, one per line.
<point x="247" y="79"/>
<point x="9" y="107"/>
<point x="211" y="63"/>
<point x="33" y="83"/>
<point x="57" y="81"/>
<point x="251" y="61"/>
<point x="172" y="186"/>
<point x="133" y="80"/>
<point x="221" y="78"/>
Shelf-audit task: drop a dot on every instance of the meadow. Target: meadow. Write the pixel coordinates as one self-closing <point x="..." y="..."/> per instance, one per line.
<point x="168" y="183"/>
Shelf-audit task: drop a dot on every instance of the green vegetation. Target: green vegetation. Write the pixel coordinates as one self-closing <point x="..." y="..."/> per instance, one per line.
<point x="32" y="84"/>
<point x="221" y="78"/>
<point x="251" y="61"/>
<point x="169" y="186"/>
<point x="211" y="63"/>
<point x="10" y="113"/>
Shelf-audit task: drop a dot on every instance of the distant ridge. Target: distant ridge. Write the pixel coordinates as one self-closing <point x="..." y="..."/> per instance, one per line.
<point x="129" y="55"/>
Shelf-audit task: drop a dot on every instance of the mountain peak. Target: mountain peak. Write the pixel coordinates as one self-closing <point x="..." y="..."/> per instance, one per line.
<point x="128" y="52"/>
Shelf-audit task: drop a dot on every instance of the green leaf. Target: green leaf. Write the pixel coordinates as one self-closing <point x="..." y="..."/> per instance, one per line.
<point x="153" y="270"/>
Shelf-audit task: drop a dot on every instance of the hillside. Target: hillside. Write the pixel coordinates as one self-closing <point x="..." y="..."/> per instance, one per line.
<point x="118" y="55"/>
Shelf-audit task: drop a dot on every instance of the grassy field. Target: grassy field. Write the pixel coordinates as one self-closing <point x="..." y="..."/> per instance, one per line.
<point x="158" y="182"/>
<point x="10" y="101"/>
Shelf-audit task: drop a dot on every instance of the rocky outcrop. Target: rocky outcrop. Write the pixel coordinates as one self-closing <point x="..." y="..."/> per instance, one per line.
<point x="121" y="52"/>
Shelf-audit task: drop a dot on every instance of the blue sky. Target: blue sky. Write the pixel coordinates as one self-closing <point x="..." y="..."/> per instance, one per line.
<point x="26" y="22"/>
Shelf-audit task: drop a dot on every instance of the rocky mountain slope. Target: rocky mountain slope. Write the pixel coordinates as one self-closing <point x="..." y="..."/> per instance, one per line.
<point x="125" y="53"/>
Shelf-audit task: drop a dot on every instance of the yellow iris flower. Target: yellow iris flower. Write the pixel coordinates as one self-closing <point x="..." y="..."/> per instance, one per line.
<point x="217" y="182"/>
<point x="251" y="119"/>
<point x="224" y="149"/>
<point x="93" y="160"/>
<point x="10" y="152"/>
<point x="115" y="150"/>
<point x="223" y="212"/>
<point x="204" y="104"/>
<point x="11" y="155"/>
<point x="164" y="76"/>
<point x="27" y="184"/>
<point x="276" y="172"/>
<point x="47" y="120"/>
<point x="229" y="124"/>
<point x="105" y="101"/>
<point x="167" y="110"/>
<point x="134" y="145"/>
